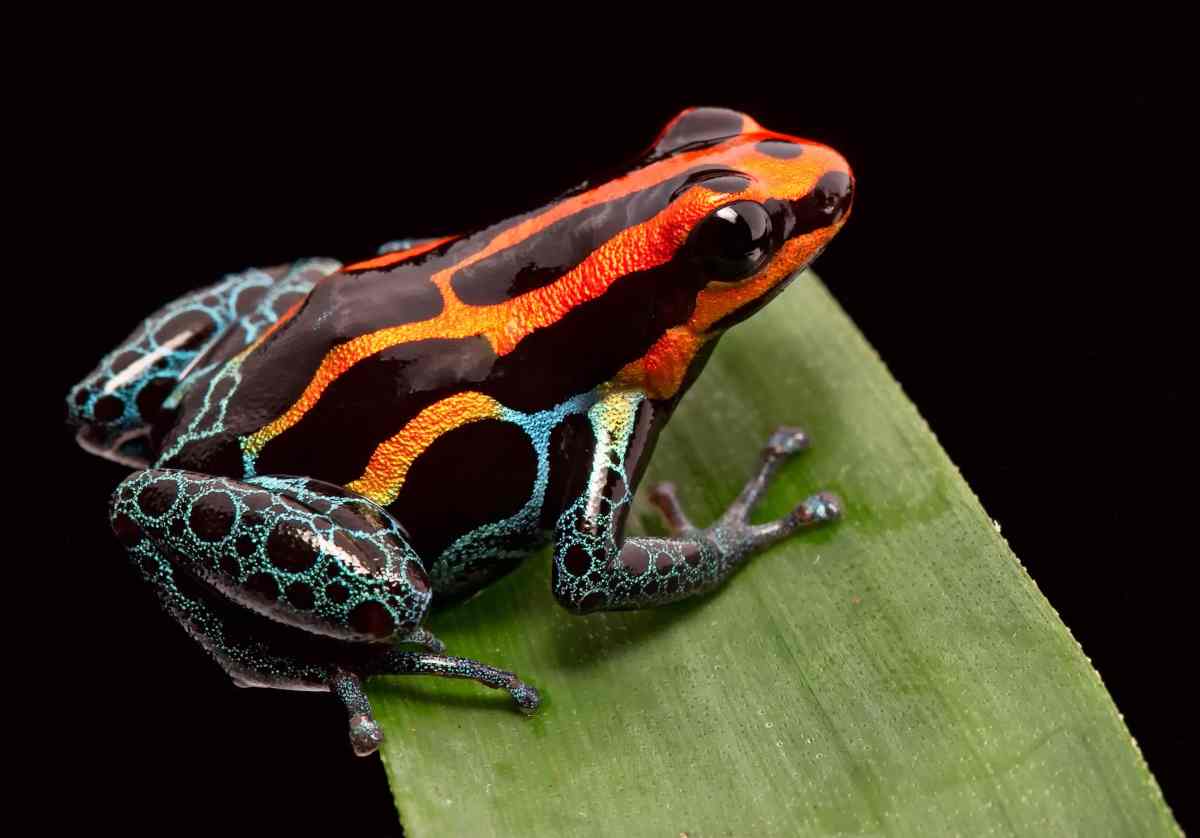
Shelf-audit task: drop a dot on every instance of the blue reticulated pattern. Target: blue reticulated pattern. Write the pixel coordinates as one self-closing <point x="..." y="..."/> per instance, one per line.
<point x="509" y="539"/>
<point x="594" y="568"/>
<point x="303" y="552"/>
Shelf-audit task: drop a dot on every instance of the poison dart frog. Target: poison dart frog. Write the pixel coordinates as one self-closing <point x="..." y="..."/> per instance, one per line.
<point x="322" y="451"/>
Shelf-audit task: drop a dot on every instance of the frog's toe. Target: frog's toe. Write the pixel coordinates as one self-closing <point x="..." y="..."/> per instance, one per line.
<point x="365" y="734"/>
<point x="786" y="441"/>
<point x="818" y="509"/>
<point x="527" y="697"/>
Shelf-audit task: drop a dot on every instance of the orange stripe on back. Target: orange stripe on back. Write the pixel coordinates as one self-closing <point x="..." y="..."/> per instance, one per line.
<point x="504" y="325"/>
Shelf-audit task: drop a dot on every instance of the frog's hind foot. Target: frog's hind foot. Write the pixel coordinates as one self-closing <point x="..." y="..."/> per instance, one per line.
<point x="525" y="695"/>
<point x="734" y="526"/>
<point x="365" y="733"/>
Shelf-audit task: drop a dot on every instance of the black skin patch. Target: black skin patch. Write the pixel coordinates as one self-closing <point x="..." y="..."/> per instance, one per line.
<point x="263" y="586"/>
<point x="152" y="395"/>
<point x="212" y="515"/>
<point x="249" y="297"/>
<point x="108" y="408"/>
<point x="546" y="256"/>
<point x="594" y="340"/>
<point x="699" y="128"/>
<point x="158" y="497"/>
<point x="288" y="549"/>
<point x="371" y="402"/>
<point x="340" y="308"/>
<point x="475" y="474"/>
<point x="824" y="205"/>
<point x="124" y="359"/>
<point x="198" y="326"/>
<point x="780" y="149"/>
<point x="577" y="561"/>
<point x="300" y="595"/>
<point x="372" y="618"/>
<point x="572" y="443"/>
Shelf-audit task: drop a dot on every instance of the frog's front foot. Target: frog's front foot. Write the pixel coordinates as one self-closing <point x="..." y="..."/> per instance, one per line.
<point x="734" y="527"/>
<point x="526" y="695"/>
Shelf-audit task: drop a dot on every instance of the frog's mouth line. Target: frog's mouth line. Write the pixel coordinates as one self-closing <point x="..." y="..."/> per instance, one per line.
<point x="129" y="449"/>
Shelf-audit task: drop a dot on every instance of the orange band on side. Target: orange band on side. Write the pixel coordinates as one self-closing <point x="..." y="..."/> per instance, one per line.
<point x="388" y="466"/>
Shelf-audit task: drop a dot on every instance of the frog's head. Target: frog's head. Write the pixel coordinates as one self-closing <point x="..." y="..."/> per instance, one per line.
<point x="696" y="236"/>
<point x="757" y="208"/>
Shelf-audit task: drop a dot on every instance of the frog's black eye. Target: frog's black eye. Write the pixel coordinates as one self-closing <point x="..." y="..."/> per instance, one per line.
<point x="734" y="241"/>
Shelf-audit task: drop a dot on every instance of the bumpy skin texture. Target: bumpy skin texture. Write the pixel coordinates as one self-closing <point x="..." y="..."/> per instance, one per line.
<point x="449" y="406"/>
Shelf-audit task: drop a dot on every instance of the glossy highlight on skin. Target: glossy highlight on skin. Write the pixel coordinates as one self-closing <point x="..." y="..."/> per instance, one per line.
<point x="325" y="452"/>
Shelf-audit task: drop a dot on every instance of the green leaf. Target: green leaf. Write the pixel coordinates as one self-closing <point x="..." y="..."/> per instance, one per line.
<point x="897" y="673"/>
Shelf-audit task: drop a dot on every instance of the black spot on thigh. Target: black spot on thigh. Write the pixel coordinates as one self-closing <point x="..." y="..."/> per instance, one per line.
<point x="157" y="497"/>
<point x="264" y="586"/>
<point x="292" y="547"/>
<point x="125" y="359"/>
<point x="230" y="566"/>
<point x="248" y="298"/>
<point x="300" y="595"/>
<point x="781" y="149"/>
<point x="195" y="323"/>
<point x="212" y="516"/>
<point x="476" y="474"/>
<point x="108" y="408"/>
<point x="373" y="619"/>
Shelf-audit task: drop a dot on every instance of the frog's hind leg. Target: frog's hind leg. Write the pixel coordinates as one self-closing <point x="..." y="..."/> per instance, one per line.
<point x="289" y="583"/>
<point x="136" y="386"/>
<point x="447" y="666"/>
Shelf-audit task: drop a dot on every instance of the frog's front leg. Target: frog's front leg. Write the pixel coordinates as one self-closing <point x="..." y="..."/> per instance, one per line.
<point x="291" y="583"/>
<point x="597" y="568"/>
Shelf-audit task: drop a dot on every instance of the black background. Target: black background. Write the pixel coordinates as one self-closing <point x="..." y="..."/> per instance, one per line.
<point x="1007" y="256"/>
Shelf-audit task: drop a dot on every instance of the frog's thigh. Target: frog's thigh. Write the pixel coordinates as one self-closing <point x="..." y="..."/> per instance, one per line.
<point x="140" y="379"/>
<point x="299" y="552"/>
